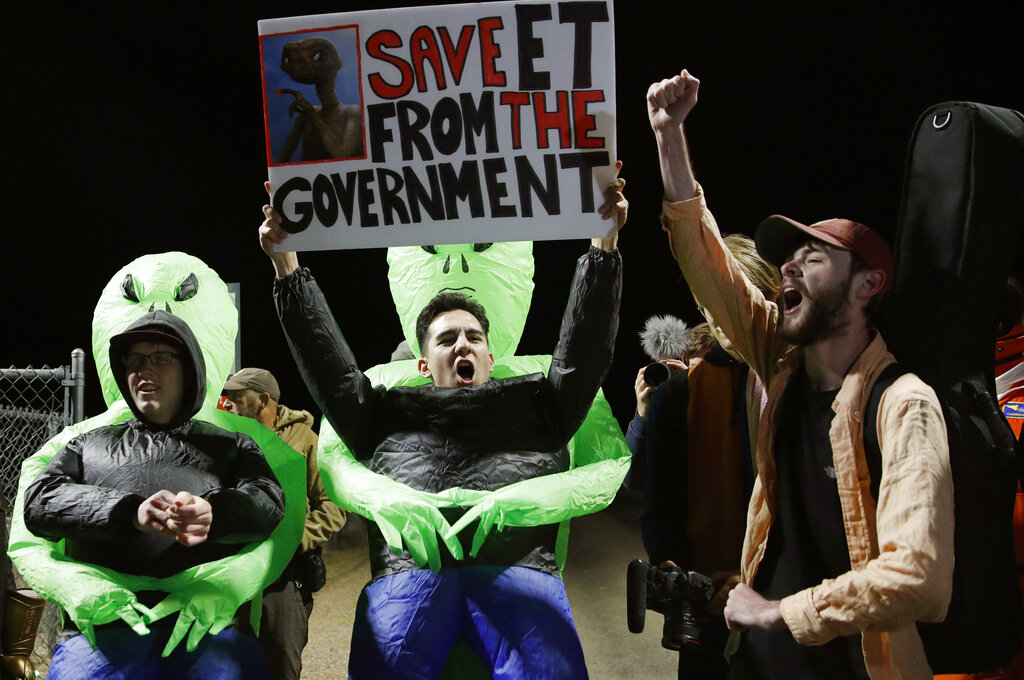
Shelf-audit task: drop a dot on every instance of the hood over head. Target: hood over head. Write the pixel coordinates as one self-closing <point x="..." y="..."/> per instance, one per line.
<point x="162" y="326"/>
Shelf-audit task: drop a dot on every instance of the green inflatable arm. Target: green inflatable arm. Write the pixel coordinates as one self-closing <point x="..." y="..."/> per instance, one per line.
<point x="600" y="460"/>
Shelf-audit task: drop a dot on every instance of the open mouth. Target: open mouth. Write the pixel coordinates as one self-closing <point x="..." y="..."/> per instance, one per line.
<point x="465" y="371"/>
<point x="146" y="389"/>
<point x="791" y="299"/>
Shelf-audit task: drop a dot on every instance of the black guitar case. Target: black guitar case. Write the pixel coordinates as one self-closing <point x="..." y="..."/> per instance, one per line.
<point x="959" y="237"/>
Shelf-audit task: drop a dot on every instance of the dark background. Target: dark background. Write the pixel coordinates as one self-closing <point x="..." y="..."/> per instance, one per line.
<point x="139" y="129"/>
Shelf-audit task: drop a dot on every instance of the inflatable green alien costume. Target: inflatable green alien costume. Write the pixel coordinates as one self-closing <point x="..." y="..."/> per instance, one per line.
<point x="206" y="596"/>
<point x="500" y="277"/>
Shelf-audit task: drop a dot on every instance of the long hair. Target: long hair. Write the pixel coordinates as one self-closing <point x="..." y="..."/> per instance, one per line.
<point x="764" y="275"/>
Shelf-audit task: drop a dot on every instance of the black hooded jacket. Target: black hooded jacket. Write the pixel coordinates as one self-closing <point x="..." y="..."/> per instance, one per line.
<point x="480" y="437"/>
<point x="90" y="491"/>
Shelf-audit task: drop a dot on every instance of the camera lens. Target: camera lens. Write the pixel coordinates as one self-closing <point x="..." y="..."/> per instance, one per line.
<point x="656" y="373"/>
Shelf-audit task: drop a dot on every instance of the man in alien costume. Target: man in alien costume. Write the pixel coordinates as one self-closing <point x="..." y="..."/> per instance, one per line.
<point x="500" y="277"/>
<point x="205" y="596"/>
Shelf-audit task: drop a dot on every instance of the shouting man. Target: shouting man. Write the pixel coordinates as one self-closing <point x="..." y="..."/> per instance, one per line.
<point x="833" y="576"/>
<point x="456" y="443"/>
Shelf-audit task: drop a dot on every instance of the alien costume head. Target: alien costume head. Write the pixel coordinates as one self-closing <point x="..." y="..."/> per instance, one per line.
<point x="186" y="287"/>
<point x="206" y="596"/>
<point x="497" y="275"/>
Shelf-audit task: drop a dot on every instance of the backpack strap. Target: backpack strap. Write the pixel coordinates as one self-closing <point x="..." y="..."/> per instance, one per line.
<point x="872" y="450"/>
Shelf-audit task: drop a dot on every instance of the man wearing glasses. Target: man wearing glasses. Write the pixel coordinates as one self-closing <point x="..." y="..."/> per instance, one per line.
<point x="154" y="496"/>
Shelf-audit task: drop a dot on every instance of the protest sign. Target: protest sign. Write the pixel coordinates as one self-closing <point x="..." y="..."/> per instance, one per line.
<point x="466" y="123"/>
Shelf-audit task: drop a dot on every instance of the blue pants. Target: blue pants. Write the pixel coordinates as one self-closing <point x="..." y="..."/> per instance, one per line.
<point x="122" y="654"/>
<point x="517" y="619"/>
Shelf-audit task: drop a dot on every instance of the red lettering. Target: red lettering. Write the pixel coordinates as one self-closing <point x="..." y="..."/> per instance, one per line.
<point x="516" y="100"/>
<point x="456" y="54"/>
<point x="552" y="120"/>
<point x="423" y="47"/>
<point x="375" y="48"/>
<point x="489" y="51"/>
<point x="583" y="121"/>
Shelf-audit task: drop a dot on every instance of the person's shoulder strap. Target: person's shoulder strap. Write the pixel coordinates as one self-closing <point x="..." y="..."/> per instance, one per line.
<point x="872" y="450"/>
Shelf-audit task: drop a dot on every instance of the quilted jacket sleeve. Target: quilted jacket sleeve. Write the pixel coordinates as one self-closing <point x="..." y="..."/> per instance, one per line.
<point x="58" y="505"/>
<point x="326" y="363"/>
<point x="587" y="338"/>
<point x="250" y="503"/>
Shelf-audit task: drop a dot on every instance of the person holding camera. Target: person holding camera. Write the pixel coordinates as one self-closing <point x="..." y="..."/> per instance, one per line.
<point x="288" y="602"/>
<point x="707" y="454"/>
<point x="831" y="582"/>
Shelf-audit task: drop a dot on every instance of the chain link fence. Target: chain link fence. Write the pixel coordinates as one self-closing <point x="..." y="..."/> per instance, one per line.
<point x="35" y="405"/>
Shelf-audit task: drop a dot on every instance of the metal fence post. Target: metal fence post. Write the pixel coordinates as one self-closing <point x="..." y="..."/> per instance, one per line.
<point x="76" y="382"/>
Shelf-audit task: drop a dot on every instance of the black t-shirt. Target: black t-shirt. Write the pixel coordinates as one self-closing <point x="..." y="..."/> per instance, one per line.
<point x="806" y="544"/>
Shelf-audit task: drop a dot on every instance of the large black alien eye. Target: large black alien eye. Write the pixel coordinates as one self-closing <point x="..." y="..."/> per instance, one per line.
<point x="129" y="289"/>
<point x="448" y="264"/>
<point x="481" y="247"/>
<point x="187" y="288"/>
<point x="430" y="249"/>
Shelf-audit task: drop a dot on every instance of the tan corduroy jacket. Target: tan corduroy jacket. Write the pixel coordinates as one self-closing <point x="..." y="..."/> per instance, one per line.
<point x="323" y="517"/>
<point x="902" y="550"/>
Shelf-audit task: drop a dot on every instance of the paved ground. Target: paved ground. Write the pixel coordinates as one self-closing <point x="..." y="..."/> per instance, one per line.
<point x="600" y="547"/>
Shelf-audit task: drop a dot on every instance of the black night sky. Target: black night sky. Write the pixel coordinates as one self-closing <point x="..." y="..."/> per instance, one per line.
<point x="140" y="130"/>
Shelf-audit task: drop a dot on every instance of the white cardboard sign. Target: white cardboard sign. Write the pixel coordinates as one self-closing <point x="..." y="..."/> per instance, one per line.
<point x="465" y="123"/>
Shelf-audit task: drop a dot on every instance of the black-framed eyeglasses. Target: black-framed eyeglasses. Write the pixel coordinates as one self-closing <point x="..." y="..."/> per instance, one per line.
<point x="134" y="360"/>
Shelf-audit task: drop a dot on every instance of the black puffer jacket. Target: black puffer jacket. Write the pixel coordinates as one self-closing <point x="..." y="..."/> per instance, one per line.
<point x="90" y="491"/>
<point x="481" y="437"/>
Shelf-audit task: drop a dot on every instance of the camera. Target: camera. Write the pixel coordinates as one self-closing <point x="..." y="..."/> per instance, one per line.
<point x="673" y="592"/>
<point x="657" y="373"/>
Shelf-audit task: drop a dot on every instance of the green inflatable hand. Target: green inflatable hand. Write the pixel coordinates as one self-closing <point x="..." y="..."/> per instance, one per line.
<point x="544" y="500"/>
<point x="406" y="517"/>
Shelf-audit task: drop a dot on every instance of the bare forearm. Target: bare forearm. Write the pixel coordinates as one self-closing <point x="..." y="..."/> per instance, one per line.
<point x="272" y="236"/>
<point x="284" y="263"/>
<point x="615" y="207"/>
<point x="676" y="168"/>
<point x="669" y="101"/>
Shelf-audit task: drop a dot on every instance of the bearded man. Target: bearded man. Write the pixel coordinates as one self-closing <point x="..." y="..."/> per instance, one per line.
<point x="832" y="581"/>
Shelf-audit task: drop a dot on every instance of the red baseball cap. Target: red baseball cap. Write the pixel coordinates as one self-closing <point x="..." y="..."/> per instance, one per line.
<point x="779" y="236"/>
